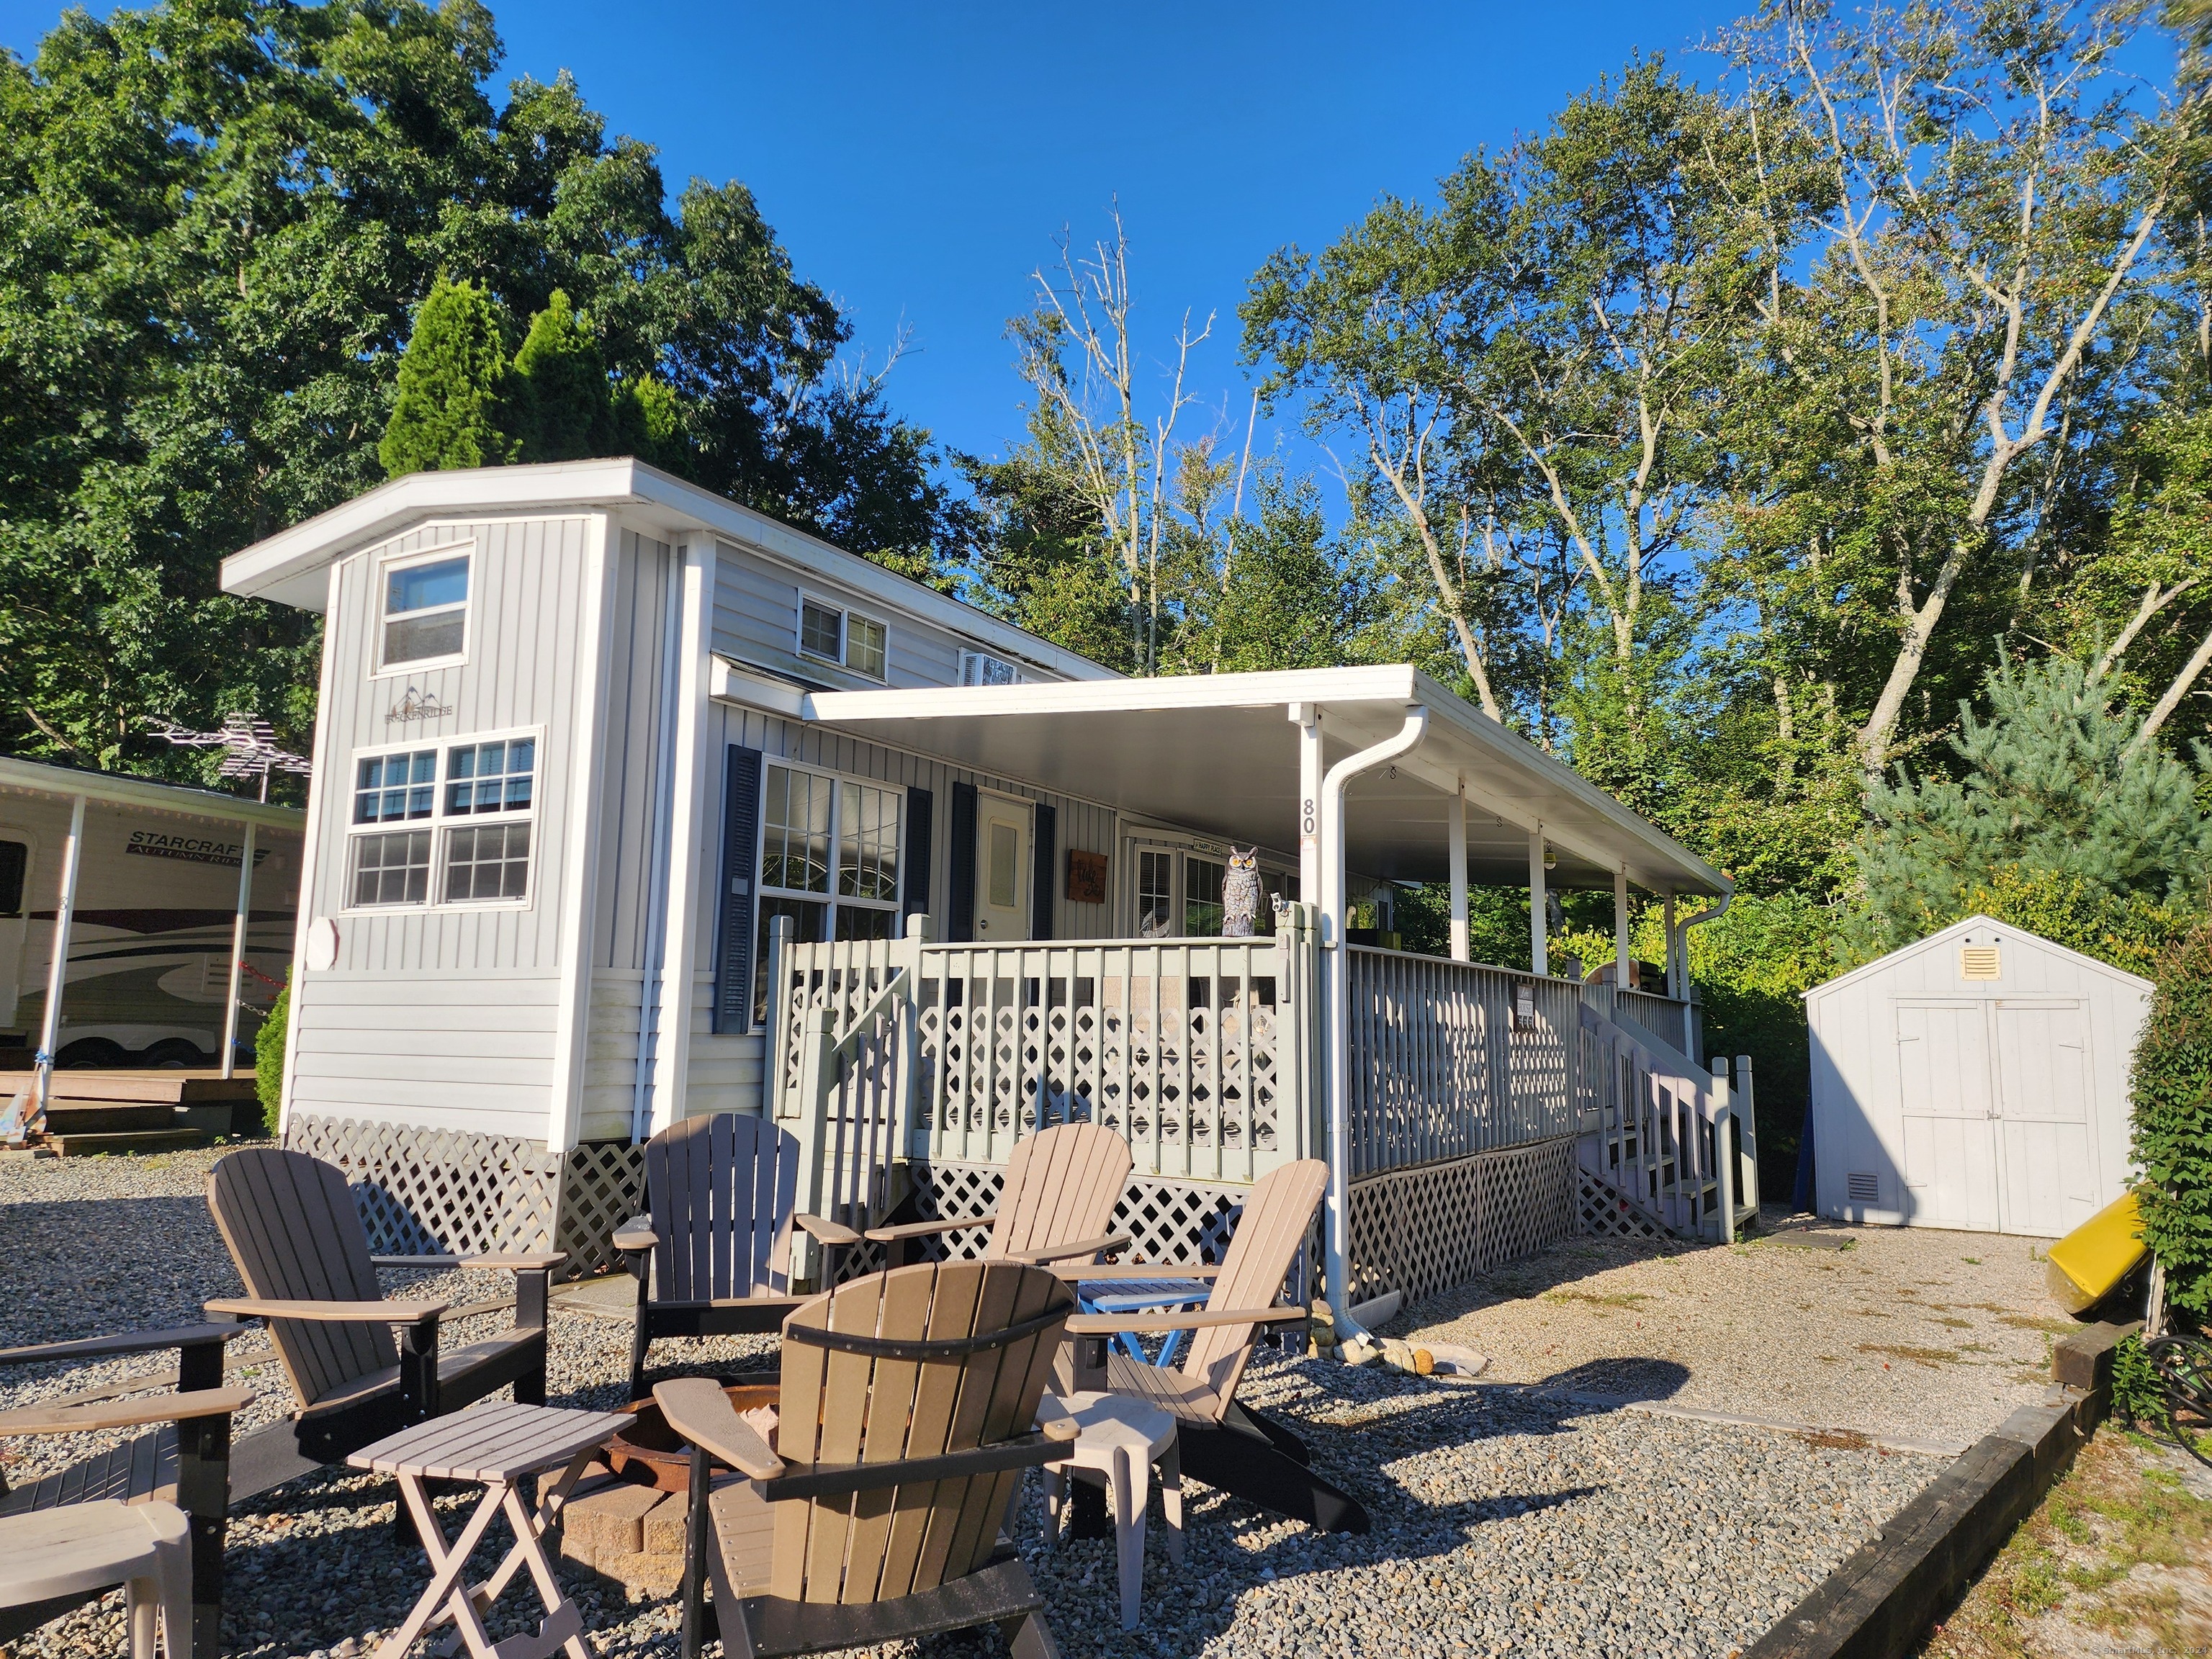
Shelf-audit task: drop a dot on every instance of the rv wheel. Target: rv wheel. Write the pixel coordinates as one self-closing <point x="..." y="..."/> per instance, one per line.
<point x="89" y="1053"/>
<point x="176" y="1054"/>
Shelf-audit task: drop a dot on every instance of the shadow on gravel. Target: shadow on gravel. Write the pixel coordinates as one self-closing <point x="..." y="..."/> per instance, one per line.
<point x="134" y="1264"/>
<point x="1632" y="1377"/>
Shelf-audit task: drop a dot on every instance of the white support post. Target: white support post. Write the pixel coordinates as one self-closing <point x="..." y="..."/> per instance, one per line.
<point x="1672" y="965"/>
<point x="1307" y="718"/>
<point x="1621" y="930"/>
<point x="1457" y="825"/>
<point x="1539" y="959"/>
<point x="238" y="953"/>
<point x="49" y="1026"/>
<point x="689" y="794"/>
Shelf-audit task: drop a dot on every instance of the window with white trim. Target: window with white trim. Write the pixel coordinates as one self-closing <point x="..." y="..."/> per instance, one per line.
<point x="425" y="612"/>
<point x="844" y="637"/>
<point x="1178" y="888"/>
<point x="830" y="860"/>
<point x="474" y="802"/>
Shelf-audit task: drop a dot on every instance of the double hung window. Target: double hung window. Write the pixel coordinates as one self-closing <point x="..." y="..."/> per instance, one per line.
<point x="1178" y="893"/>
<point x="469" y="811"/>
<point x="830" y="860"/>
<point x="425" y="612"/>
<point x="846" y="637"/>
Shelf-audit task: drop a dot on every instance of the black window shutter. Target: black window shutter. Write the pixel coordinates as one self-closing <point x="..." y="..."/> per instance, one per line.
<point x="960" y="871"/>
<point x="921" y="805"/>
<point x="1041" y="887"/>
<point x="733" y="945"/>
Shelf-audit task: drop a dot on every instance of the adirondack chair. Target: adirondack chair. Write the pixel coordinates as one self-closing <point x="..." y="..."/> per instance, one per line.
<point x="904" y="1423"/>
<point x="713" y="1256"/>
<point x="185" y="1461"/>
<point x="298" y="1243"/>
<point x="1226" y="1444"/>
<point x="1061" y="1186"/>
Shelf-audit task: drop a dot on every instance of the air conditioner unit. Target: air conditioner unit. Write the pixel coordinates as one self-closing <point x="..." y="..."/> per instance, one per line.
<point x="982" y="668"/>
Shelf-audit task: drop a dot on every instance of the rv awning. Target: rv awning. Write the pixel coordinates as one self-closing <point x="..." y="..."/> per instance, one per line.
<point x="1219" y="753"/>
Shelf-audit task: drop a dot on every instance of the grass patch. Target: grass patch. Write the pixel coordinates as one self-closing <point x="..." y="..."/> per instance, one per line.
<point x="1972" y="1260"/>
<point x="1933" y="1358"/>
<point x="2021" y="1321"/>
<point x="1833" y="1439"/>
<point x="1599" y="1299"/>
<point x="2076" y="1561"/>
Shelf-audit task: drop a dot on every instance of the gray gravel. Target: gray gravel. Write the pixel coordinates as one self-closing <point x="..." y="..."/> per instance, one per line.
<point x="1507" y="1520"/>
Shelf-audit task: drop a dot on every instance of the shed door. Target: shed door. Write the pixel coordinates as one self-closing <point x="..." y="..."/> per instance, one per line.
<point x="1949" y="1157"/>
<point x="2050" y="1155"/>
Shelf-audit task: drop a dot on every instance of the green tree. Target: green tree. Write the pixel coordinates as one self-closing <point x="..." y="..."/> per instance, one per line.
<point x="453" y="386"/>
<point x="269" y="1058"/>
<point x="2172" y="1085"/>
<point x="561" y="408"/>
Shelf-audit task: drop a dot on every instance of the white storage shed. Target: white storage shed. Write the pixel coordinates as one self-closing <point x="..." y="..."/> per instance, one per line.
<point x="1976" y="1079"/>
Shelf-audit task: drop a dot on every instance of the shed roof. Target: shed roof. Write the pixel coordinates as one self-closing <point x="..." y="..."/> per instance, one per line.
<point x="1958" y="930"/>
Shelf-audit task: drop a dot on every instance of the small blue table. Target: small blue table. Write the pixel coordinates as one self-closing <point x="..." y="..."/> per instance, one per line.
<point x="1121" y="1295"/>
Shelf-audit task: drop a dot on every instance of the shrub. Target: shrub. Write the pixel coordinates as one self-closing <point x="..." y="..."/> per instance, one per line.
<point x="2171" y="1087"/>
<point x="269" y="1058"/>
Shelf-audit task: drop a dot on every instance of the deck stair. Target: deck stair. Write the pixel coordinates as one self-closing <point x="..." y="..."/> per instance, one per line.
<point x="145" y="1110"/>
<point x="1660" y="1134"/>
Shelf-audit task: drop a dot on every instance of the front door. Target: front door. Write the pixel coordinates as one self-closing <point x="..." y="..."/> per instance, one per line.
<point x="15" y="878"/>
<point x="2049" y="1157"/>
<point x="1948" y="1155"/>
<point x="1002" y="869"/>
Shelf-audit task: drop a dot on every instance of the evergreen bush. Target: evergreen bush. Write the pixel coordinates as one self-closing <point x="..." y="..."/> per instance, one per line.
<point x="2172" y="1086"/>
<point x="559" y="395"/>
<point x="453" y="386"/>
<point x="269" y="1058"/>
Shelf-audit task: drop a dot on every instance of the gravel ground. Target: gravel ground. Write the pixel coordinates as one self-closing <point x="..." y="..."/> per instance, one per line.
<point x="1910" y="1332"/>
<point x="1507" y="1519"/>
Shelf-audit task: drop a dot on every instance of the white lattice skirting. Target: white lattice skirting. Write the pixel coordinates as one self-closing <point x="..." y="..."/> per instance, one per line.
<point x="1165" y="1220"/>
<point x="1426" y="1230"/>
<point x="1603" y="1212"/>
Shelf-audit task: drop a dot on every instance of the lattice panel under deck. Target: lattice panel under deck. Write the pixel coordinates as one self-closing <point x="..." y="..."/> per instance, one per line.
<point x="1601" y="1210"/>
<point x="1426" y="1230"/>
<point x="1166" y="1220"/>
<point x="439" y="1192"/>
<point x="602" y="1186"/>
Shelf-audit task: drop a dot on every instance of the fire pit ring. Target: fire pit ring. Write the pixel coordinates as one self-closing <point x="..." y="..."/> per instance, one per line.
<point x="650" y="1454"/>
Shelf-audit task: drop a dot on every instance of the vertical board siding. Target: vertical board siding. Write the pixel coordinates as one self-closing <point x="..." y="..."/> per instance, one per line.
<point x="632" y="748"/>
<point x="462" y="996"/>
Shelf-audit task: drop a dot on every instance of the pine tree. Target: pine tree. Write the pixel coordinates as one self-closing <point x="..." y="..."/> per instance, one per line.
<point x="2051" y="783"/>
<point x="452" y="386"/>
<point x="646" y="420"/>
<point x="559" y="393"/>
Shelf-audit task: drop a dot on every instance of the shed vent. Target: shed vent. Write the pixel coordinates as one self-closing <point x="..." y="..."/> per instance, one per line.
<point x="1978" y="962"/>
<point x="1863" y="1187"/>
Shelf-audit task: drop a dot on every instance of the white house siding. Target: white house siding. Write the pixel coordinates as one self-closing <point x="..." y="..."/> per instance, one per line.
<point x="433" y="1017"/>
<point x="756" y="621"/>
<point x="1859" y="1090"/>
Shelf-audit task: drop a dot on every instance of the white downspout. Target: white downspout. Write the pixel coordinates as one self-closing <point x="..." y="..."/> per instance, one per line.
<point x="1335" y="982"/>
<point x="1455" y="829"/>
<point x="656" y="902"/>
<point x="1679" y="943"/>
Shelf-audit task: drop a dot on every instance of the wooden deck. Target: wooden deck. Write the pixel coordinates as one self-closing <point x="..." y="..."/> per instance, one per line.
<point x="140" y="1109"/>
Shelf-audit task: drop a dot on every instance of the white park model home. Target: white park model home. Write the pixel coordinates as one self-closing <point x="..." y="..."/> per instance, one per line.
<point x="587" y="732"/>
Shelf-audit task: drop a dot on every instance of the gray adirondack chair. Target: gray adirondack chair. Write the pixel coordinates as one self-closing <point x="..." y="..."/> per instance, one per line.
<point x="1057" y="1205"/>
<point x="186" y="1461"/>
<point x="713" y="1256"/>
<point x="297" y="1241"/>
<point x="1223" y="1443"/>
<point x="905" y="1422"/>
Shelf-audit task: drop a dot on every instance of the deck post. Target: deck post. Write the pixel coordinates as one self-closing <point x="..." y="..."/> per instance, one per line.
<point x="1621" y="930"/>
<point x="1671" y="964"/>
<point x="1456" y="826"/>
<point x="1540" y="960"/>
<point x="49" y="1025"/>
<point x="1307" y="719"/>
<point x="238" y="953"/>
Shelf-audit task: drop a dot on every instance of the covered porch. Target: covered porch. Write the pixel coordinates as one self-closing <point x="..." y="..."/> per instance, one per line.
<point x="1468" y="1113"/>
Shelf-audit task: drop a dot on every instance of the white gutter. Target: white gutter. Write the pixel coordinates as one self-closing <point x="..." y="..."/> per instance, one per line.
<point x="1335" y="981"/>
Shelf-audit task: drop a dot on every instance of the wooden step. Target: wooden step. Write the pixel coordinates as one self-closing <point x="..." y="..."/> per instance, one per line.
<point x="133" y="1140"/>
<point x="87" y="1118"/>
<point x="142" y="1086"/>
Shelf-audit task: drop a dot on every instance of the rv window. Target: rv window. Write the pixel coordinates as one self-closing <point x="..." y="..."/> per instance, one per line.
<point x="390" y="787"/>
<point x="14" y="860"/>
<point x="425" y="611"/>
<point x="392" y="869"/>
<point x="821" y="630"/>
<point x="490" y="861"/>
<point x="864" y="647"/>
<point x="490" y="777"/>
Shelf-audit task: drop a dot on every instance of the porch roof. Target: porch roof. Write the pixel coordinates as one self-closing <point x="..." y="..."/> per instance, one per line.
<point x="1219" y="753"/>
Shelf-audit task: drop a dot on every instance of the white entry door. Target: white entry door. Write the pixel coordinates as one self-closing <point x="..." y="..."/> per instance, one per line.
<point x="2050" y="1157"/>
<point x="1949" y="1157"/>
<point x="1002" y="869"/>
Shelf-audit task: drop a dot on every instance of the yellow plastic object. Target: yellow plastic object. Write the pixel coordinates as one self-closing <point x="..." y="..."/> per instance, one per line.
<point x="2096" y="1256"/>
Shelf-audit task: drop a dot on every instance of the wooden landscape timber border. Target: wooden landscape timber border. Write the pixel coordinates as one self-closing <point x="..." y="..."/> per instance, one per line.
<point x="1881" y="1603"/>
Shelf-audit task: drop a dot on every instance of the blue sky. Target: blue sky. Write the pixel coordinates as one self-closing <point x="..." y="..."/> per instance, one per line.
<point x="917" y="160"/>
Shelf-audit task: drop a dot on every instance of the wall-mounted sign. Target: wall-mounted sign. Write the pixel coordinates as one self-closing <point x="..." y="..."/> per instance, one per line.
<point x="418" y="705"/>
<point x="1086" y="877"/>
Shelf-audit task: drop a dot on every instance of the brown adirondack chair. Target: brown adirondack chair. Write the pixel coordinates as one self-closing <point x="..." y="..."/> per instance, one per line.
<point x="713" y="1256"/>
<point x="904" y="1423"/>
<point x="1062" y="1184"/>
<point x="1223" y="1444"/>
<point x="298" y="1243"/>
<point x="185" y="1461"/>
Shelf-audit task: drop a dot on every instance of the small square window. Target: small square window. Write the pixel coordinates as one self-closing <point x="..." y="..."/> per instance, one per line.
<point x="487" y="861"/>
<point x="388" y="788"/>
<point x="392" y="869"/>
<point x="490" y="777"/>
<point x="864" y="645"/>
<point x="821" y="630"/>
<point x="425" y="611"/>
